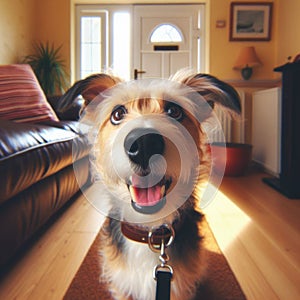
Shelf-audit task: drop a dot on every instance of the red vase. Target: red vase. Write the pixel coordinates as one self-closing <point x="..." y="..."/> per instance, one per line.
<point x="235" y="158"/>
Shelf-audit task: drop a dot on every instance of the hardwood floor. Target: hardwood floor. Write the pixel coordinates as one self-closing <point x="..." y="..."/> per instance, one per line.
<point x="257" y="229"/>
<point x="46" y="271"/>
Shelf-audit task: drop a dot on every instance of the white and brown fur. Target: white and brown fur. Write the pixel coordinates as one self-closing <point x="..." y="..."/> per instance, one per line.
<point x="128" y="265"/>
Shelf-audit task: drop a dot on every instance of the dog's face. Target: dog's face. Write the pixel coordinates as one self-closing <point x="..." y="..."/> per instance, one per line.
<point x="150" y="145"/>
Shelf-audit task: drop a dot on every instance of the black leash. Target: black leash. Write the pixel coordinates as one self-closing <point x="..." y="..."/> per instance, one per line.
<point x="162" y="273"/>
<point x="163" y="285"/>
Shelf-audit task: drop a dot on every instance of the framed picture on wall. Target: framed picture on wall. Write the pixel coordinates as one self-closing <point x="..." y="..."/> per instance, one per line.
<point x="250" y="21"/>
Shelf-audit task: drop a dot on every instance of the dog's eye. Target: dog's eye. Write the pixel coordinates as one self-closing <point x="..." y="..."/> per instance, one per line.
<point x="174" y="111"/>
<point x="118" y="115"/>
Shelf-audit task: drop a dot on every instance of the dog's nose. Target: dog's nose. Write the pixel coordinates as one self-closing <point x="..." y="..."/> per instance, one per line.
<point x="142" y="143"/>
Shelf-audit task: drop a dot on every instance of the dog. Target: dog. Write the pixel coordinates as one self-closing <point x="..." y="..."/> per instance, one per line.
<point x="150" y="159"/>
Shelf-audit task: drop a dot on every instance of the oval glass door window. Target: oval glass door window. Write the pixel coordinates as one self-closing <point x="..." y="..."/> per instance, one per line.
<point x="166" y="33"/>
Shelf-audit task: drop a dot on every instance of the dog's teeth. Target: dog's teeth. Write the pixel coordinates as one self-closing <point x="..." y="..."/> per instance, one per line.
<point x="162" y="191"/>
<point x="132" y="192"/>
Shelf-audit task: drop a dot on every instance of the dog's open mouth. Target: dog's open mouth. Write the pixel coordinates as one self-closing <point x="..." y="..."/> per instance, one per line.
<point x="148" y="198"/>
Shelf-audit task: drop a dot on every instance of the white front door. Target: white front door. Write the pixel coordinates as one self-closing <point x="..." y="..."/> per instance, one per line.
<point x="167" y="38"/>
<point x="164" y="38"/>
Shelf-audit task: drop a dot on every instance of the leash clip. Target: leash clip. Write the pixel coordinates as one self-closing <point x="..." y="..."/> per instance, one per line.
<point x="162" y="273"/>
<point x="161" y="248"/>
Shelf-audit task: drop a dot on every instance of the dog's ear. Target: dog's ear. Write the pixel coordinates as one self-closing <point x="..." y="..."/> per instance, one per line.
<point x="88" y="88"/>
<point x="214" y="91"/>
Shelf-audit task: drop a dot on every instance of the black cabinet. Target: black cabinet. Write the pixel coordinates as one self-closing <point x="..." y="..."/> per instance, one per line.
<point x="288" y="182"/>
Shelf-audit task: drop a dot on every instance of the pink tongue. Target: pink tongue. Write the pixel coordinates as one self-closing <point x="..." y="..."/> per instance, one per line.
<point x="147" y="196"/>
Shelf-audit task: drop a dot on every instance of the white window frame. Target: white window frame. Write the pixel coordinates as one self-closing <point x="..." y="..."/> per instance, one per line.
<point x="167" y="41"/>
<point x="87" y="11"/>
<point x="106" y="13"/>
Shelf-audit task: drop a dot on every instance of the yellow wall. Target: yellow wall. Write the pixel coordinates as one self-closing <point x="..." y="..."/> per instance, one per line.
<point x="53" y="19"/>
<point x="16" y="29"/>
<point x="288" y="30"/>
<point x="22" y="22"/>
<point x="223" y="53"/>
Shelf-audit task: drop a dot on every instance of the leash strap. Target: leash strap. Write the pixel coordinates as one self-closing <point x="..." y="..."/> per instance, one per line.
<point x="162" y="272"/>
<point x="163" y="285"/>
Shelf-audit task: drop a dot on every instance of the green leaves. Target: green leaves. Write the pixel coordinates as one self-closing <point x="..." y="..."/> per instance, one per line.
<point x="49" y="68"/>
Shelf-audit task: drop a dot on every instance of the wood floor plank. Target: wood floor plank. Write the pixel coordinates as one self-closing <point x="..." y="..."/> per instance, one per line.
<point x="81" y="216"/>
<point x="249" y="215"/>
<point x="228" y="223"/>
<point x="25" y="277"/>
<point x="21" y="282"/>
<point x="266" y="215"/>
<point x="268" y="198"/>
<point x="54" y="284"/>
<point x="283" y="276"/>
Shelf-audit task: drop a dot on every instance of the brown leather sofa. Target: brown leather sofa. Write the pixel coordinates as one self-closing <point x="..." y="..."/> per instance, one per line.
<point x="37" y="177"/>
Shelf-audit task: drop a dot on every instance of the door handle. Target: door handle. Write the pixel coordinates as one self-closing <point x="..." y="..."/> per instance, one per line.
<point x="137" y="72"/>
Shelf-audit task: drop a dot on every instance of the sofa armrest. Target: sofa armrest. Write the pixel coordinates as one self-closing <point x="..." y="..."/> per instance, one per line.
<point x="32" y="152"/>
<point x="72" y="113"/>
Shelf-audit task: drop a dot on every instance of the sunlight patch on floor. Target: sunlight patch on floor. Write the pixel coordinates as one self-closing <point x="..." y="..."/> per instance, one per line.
<point x="226" y="220"/>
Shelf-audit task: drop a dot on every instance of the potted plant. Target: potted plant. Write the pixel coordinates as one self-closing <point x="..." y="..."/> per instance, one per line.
<point x="49" y="68"/>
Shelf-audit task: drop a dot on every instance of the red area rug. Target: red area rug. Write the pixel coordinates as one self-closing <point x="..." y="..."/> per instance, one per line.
<point x="220" y="284"/>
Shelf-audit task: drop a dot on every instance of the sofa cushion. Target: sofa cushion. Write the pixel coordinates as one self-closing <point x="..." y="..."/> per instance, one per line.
<point x="21" y="97"/>
<point x="31" y="152"/>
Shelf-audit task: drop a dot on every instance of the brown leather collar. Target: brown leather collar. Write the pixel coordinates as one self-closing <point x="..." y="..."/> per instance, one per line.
<point x="141" y="235"/>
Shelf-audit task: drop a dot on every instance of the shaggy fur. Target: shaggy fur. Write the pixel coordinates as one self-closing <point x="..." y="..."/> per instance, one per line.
<point x="175" y="109"/>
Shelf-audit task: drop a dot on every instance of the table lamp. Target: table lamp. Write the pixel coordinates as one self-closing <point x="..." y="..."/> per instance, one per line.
<point x="247" y="60"/>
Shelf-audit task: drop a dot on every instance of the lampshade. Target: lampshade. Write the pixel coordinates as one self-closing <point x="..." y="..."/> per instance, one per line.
<point x="247" y="58"/>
